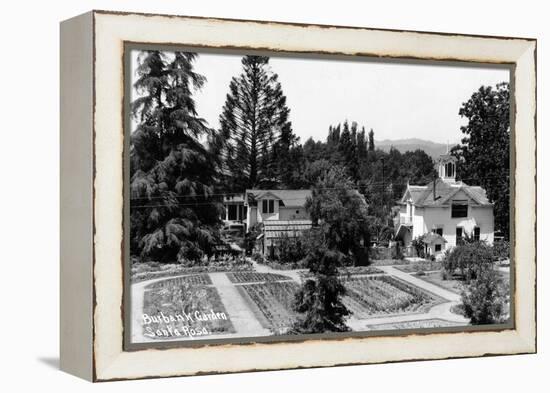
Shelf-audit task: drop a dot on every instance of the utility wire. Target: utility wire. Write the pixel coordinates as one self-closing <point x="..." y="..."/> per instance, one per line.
<point x="360" y="188"/>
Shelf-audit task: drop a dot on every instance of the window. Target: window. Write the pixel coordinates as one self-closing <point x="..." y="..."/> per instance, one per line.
<point x="438" y="231"/>
<point x="459" y="237"/>
<point x="236" y="212"/>
<point x="449" y="170"/>
<point x="477" y="233"/>
<point x="232" y="212"/>
<point x="437" y="247"/>
<point x="459" y="209"/>
<point x="268" y="206"/>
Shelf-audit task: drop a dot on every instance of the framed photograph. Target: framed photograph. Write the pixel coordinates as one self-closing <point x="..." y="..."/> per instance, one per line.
<point x="246" y="195"/>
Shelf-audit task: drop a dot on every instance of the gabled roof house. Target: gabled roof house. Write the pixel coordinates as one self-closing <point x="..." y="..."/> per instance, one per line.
<point x="446" y="209"/>
<point x="282" y="213"/>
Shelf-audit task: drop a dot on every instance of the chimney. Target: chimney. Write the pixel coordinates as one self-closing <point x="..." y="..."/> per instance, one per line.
<point x="434" y="184"/>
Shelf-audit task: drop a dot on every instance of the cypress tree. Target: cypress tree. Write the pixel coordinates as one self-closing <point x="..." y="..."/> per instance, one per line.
<point x="173" y="212"/>
<point x="371" y="140"/>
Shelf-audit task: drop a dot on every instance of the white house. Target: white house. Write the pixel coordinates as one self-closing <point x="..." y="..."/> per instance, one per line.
<point x="276" y="205"/>
<point x="282" y="212"/>
<point x="445" y="211"/>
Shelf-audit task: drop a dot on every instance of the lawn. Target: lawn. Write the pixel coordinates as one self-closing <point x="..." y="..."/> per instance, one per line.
<point x="424" y="266"/>
<point x="248" y="277"/>
<point x="435" y="278"/>
<point x="185" y="295"/>
<point x="356" y="270"/>
<point x="382" y="295"/>
<point x="389" y="262"/>
<point x="272" y="303"/>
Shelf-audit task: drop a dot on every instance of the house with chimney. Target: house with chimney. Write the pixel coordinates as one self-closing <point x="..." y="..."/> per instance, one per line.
<point x="444" y="212"/>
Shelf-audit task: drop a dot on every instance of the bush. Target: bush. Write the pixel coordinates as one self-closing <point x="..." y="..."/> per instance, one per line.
<point x="259" y="258"/>
<point x="418" y="246"/>
<point x="485" y="300"/>
<point x="501" y="250"/>
<point x="470" y="259"/>
<point x="399" y="251"/>
<point x="291" y="249"/>
<point x="250" y="237"/>
<point x="380" y="253"/>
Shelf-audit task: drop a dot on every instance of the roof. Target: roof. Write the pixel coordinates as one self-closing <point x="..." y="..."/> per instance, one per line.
<point x="447" y="157"/>
<point x="401" y="231"/>
<point x="233" y="198"/>
<point x="293" y="198"/>
<point x="444" y="191"/>
<point x="430" y="238"/>
<point x="275" y="229"/>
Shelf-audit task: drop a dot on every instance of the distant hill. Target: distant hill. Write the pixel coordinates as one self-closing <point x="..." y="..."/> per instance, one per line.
<point x="433" y="149"/>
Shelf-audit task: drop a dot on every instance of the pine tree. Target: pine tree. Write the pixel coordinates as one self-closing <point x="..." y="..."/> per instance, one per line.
<point x="173" y="212"/>
<point x="255" y="132"/>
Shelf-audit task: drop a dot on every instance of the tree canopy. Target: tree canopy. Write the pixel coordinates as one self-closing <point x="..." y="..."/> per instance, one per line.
<point x="484" y="155"/>
<point x="173" y="211"/>
<point x="255" y="140"/>
<point x="341" y="213"/>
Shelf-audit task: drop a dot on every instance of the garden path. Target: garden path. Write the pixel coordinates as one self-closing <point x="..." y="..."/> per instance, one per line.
<point x="244" y="321"/>
<point x="294" y="274"/>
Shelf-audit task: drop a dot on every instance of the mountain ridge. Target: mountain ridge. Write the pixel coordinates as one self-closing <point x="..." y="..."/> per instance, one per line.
<point x="433" y="149"/>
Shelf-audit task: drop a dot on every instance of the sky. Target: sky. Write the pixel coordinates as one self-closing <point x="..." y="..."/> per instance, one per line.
<point x="396" y="100"/>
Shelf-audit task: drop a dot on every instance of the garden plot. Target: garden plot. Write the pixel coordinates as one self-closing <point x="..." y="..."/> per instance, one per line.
<point x="347" y="272"/>
<point x="272" y="303"/>
<point x="194" y="279"/>
<point x="248" y="277"/>
<point x="382" y="295"/>
<point x="183" y="307"/>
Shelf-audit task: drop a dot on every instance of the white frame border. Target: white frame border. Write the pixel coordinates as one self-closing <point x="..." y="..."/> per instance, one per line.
<point x="111" y="30"/>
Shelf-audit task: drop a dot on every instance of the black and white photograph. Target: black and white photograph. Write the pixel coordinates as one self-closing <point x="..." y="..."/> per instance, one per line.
<point x="279" y="195"/>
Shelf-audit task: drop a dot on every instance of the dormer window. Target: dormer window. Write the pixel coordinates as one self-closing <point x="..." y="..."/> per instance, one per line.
<point x="268" y="206"/>
<point x="459" y="209"/>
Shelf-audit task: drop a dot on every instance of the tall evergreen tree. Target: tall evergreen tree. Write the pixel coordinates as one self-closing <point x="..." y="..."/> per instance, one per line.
<point x="173" y="211"/>
<point x="348" y="150"/>
<point x="339" y="237"/>
<point x="371" y="140"/>
<point x="361" y="146"/>
<point x="255" y="133"/>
